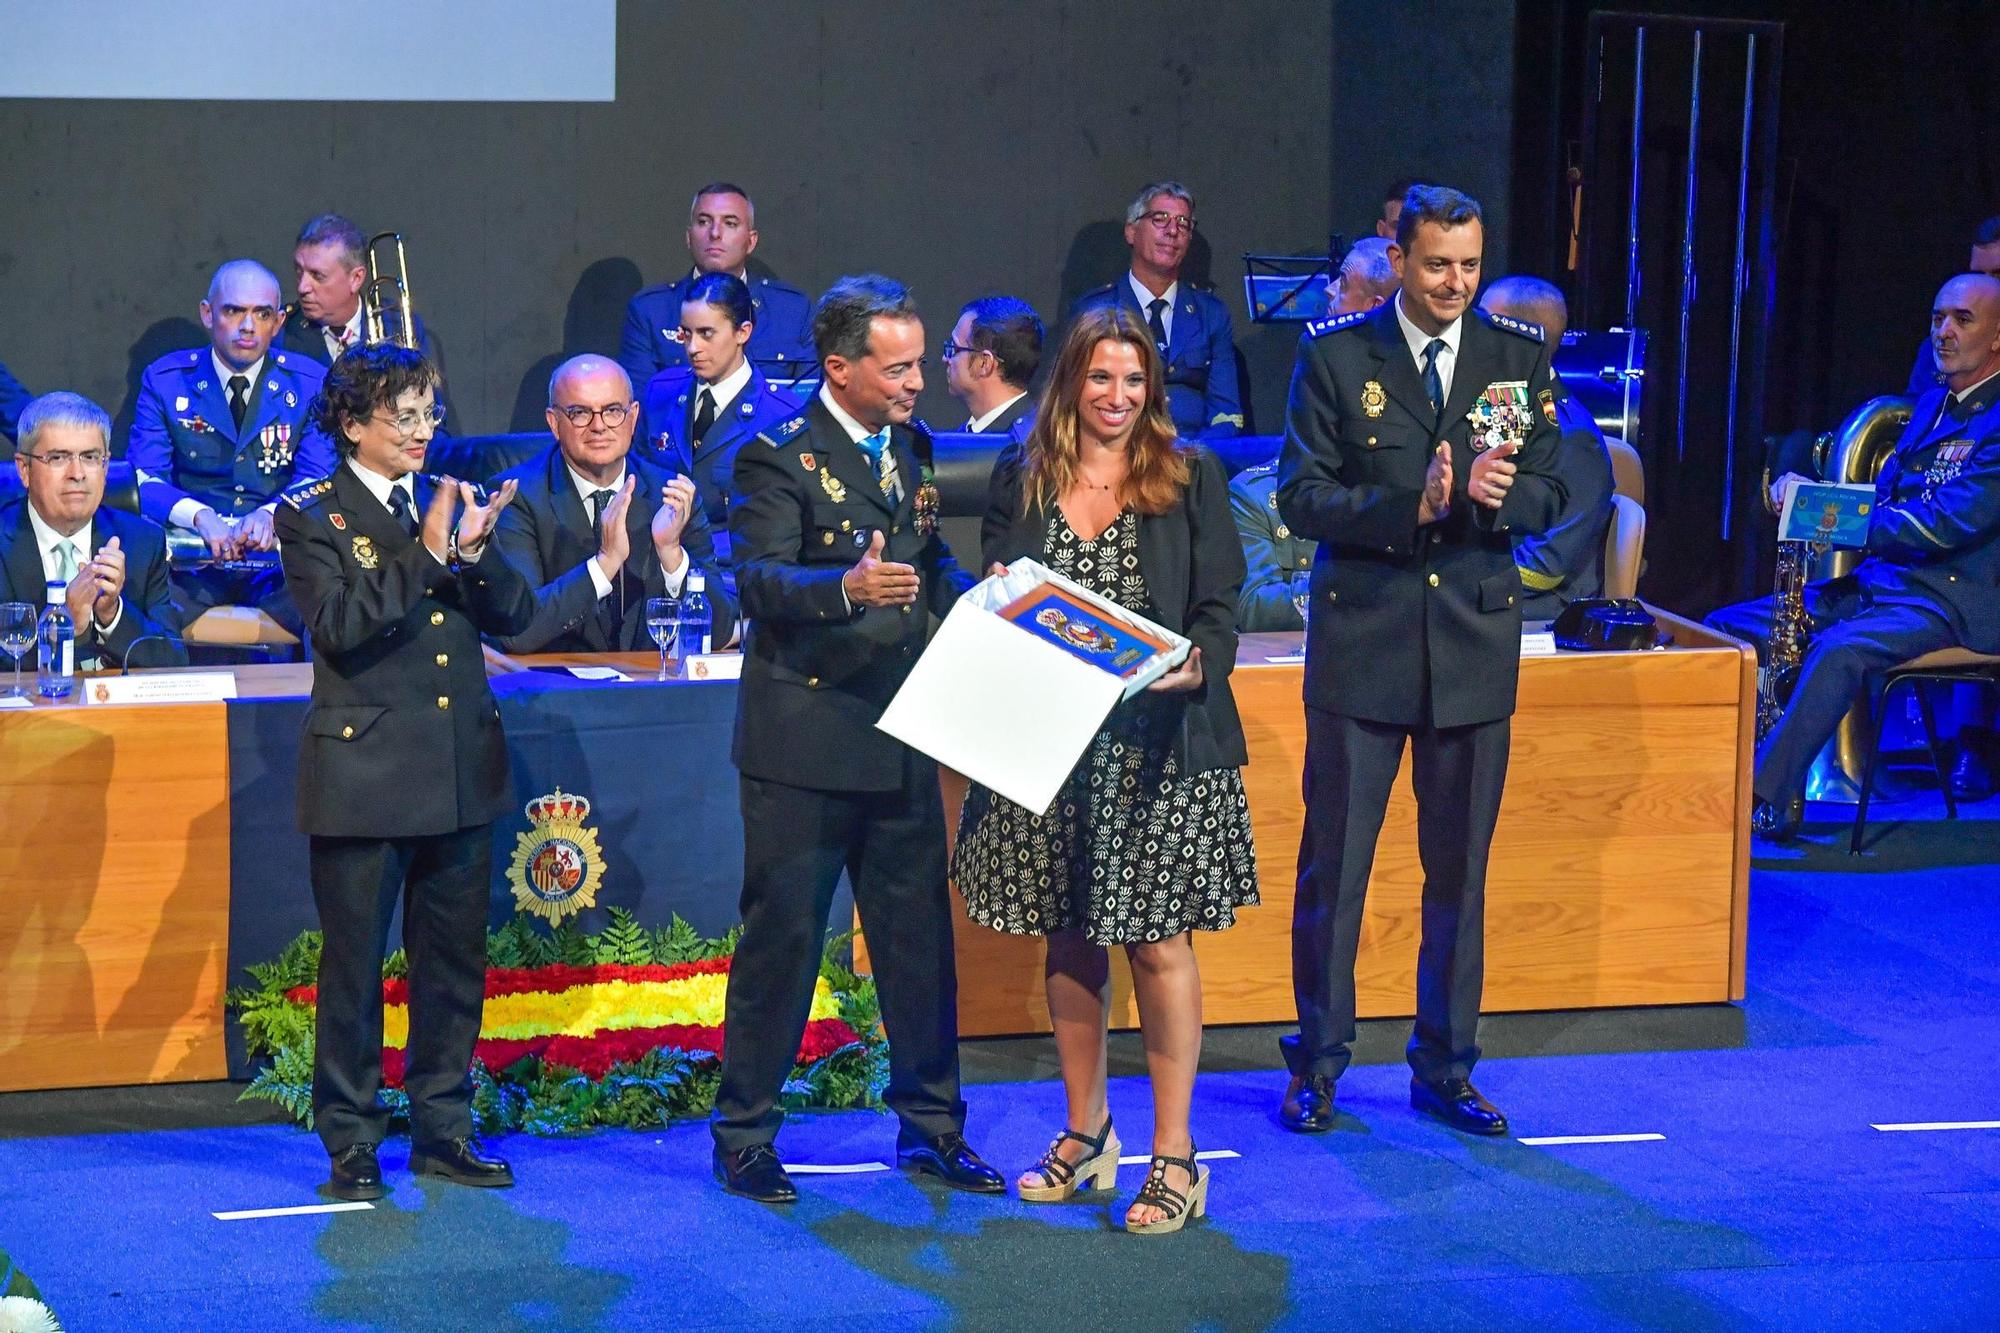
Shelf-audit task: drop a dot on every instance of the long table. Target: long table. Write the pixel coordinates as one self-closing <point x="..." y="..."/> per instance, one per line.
<point x="147" y="851"/>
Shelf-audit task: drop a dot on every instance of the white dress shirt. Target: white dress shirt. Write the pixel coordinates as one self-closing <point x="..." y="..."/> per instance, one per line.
<point x="334" y="347"/>
<point x="585" y="488"/>
<point x="727" y="389"/>
<point x="1146" y="300"/>
<point x="379" y="486"/>
<point x="985" y="419"/>
<point x="1419" y="340"/>
<point x="47" y="540"/>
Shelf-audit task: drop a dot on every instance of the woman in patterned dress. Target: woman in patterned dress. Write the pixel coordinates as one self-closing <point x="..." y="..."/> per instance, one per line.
<point x="1149" y="839"/>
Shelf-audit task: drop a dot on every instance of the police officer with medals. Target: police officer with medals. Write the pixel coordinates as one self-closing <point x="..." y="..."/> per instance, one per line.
<point x="1190" y="325"/>
<point x="403" y="767"/>
<point x="840" y="566"/>
<point x="1418" y="439"/>
<point x="219" y="433"/>
<point x="721" y="236"/>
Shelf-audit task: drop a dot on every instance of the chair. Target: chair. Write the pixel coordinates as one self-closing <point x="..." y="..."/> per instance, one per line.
<point x="244" y="628"/>
<point x="1628" y="474"/>
<point x="1947" y="665"/>
<point x="1624" y="547"/>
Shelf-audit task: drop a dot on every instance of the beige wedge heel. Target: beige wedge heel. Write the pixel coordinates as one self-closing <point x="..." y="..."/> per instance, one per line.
<point x="1097" y="1170"/>
<point x="1178" y="1207"/>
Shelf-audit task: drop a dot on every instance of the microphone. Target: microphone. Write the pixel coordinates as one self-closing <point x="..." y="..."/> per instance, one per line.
<point x="174" y="653"/>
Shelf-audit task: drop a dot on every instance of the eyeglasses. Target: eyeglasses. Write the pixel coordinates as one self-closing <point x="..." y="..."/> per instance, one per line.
<point x="1174" y="224"/>
<point x="408" y="423"/>
<point x="92" y="459"/>
<point x="614" y="414"/>
<point x="952" y="349"/>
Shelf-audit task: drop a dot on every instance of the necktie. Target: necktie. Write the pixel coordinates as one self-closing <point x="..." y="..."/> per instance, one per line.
<point x="876" y="447"/>
<point x="599" y="501"/>
<point x="66" y="562"/>
<point x="405" y="513"/>
<point x="1434" y="382"/>
<point x="704" y="415"/>
<point x="1156" y="320"/>
<point x="239" y="398"/>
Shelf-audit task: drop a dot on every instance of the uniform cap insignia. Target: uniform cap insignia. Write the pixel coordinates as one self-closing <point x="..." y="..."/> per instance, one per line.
<point x="364" y="552"/>
<point x="557" y="865"/>
<point x="1373" y="398"/>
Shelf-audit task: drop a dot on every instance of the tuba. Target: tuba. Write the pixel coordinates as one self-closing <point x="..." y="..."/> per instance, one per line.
<point x="387" y="312"/>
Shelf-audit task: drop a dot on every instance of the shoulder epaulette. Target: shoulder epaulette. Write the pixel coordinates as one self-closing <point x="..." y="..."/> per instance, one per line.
<point x="299" y="496"/>
<point x="784" y="432"/>
<point x="1258" y="470"/>
<point x="1320" y="327"/>
<point x="1512" y="325"/>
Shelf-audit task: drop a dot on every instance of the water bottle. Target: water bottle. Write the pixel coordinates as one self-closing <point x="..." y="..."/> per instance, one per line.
<point x="55" y="676"/>
<point x="697" y="621"/>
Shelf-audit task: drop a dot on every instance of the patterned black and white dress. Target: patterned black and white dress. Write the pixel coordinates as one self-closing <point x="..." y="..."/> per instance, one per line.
<point x="1132" y="850"/>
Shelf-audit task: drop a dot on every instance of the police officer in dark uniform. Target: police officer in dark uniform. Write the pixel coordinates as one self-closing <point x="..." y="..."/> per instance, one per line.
<point x="1931" y="578"/>
<point x="218" y="433"/>
<point x="840" y="566"/>
<point x="1279" y="560"/>
<point x="1190" y="325"/>
<point x="403" y="767"/>
<point x="1417" y="443"/>
<point x="721" y="235"/>
<point x="697" y="416"/>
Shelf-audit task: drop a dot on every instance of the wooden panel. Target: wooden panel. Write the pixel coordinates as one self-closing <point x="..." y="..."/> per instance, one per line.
<point x="114" y="894"/>
<point x="1618" y="876"/>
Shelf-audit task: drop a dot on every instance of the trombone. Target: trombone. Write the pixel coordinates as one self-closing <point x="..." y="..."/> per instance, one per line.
<point x="388" y="314"/>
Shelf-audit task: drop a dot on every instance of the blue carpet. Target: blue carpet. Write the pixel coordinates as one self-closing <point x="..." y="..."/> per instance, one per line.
<point x="1771" y="1203"/>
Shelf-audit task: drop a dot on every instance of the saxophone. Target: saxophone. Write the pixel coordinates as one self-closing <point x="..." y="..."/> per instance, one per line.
<point x="1786" y="647"/>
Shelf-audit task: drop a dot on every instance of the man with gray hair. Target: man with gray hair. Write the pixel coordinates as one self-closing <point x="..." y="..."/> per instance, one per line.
<point x="110" y="567"/>
<point x="840" y="567"/>
<point x="1190" y="325"/>
<point x="1365" y="279"/>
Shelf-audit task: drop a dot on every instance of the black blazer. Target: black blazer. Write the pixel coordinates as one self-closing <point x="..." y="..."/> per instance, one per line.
<point x="817" y="674"/>
<point x="1193" y="566"/>
<point x="149" y="606"/>
<point x="403" y="737"/>
<point x="547" y="535"/>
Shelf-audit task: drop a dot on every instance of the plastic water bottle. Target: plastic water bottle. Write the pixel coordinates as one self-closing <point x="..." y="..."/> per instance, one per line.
<point x="697" y="621"/>
<point x="55" y="676"/>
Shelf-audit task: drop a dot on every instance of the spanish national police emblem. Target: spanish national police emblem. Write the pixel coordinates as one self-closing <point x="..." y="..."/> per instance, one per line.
<point x="364" y="552"/>
<point x="557" y="864"/>
<point x="1500" y="416"/>
<point x="1373" y="399"/>
<point x="835" y="488"/>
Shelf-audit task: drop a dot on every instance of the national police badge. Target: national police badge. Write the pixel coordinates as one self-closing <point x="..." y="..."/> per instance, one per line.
<point x="557" y="864"/>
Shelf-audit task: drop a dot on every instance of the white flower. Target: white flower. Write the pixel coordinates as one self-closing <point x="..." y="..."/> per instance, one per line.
<point x="24" y="1314"/>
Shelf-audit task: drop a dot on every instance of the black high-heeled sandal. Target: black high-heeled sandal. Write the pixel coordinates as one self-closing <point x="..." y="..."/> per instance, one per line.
<point x="1178" y="1207"/>
<point x="1097" y="1170"/>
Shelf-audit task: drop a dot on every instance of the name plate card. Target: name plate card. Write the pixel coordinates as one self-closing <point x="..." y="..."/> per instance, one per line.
<point x="712" y="666"/>
<point x="161" y="687"/>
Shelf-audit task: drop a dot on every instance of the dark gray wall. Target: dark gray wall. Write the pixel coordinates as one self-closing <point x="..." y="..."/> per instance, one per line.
<point x="963" y="148"/>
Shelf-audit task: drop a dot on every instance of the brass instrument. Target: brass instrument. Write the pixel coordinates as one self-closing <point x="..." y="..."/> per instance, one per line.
<point x="1785" y="648"/>
<point x="387" y="312"/>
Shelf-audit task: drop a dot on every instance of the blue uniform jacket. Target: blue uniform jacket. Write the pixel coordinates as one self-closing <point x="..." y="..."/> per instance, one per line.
<point x="781" y="330"/>
<point x="667" y="412"/>
<point x="1279" y="560"/>
<point x="186" y="444"/>
<point x="1201" y="357"/>
<point x="1567" y="561"/>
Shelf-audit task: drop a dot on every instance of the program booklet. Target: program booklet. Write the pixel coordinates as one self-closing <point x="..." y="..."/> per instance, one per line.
<point x="1827" y="513"/>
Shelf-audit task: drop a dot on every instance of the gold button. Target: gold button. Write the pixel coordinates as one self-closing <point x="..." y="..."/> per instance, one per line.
<point x="895" y="527"/>
<point x="444" y="659"/>
<point x="1434" y="580"/>
<point x="347" y="733"/>
<point x="444" y="701"/>
<point x="1371" y="441"/>
<point x="847" y="525"/>
<point x="826" y="539"/>
<point x="1283" y="532"/>
<point x="812" y="682"/>
<point x="1510" y="600"/>
<point x="1305" y="562"/>
<point x="1333" y="597"/>
<point x="906" y="610"/>
<point x="437" y="617"/>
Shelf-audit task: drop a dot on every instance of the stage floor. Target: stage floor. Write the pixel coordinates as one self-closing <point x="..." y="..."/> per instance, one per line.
<point x="1771" y="1201"/>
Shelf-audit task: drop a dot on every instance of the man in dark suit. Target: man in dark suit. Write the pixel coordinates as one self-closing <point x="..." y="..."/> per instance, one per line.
<point x="114" y="565"/>
<point x="1931" y="577"/>
<point x="330" y="265"/>
<point x="13" y="398"/>
<point x="403" y="767"/>
<point x="596" y="529"/>
<point x="721" y="236"/>
<point x="219" y="432"/>
<point x="1190" y="325"/>
<point x="1566" y="562"/>
<point x="840" y="568"/>
<point x="1418" y="441"/>
<point x="989" y="362"/>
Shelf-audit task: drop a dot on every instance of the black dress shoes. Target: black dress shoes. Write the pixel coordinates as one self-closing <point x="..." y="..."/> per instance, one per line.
<point x="461" y="1161"/>
<point x="1971" y="780"/>
<point x="1456" y="1102"/>
<point x="1776" y="823"/>
<point x="950" y="1159"/>
<point x="755" y="1173"/>
<point x="356" y="1175"/>
<point x="1308" y="1105"/>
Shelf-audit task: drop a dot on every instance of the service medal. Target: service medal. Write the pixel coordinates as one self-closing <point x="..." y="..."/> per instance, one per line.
<point x="836" y="490"/>
<point x="1500" y="416"/>
<point x="925" y="506"/>
<point x="364" y="552"/>
<point x="1373" y="399"/>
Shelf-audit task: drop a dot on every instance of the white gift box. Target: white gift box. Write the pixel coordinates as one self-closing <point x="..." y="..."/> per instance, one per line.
<point x="1007" y="709"/>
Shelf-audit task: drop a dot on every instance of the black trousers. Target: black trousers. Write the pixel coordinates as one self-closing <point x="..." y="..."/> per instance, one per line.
<point x="1853" y="641"/>
<point x="1458" y="774"/>
<point x="795" y="844"/>
<point x="443" y="882"/>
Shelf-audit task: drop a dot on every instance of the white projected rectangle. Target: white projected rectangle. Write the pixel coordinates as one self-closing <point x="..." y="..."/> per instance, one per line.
<point x="311" y="50"/>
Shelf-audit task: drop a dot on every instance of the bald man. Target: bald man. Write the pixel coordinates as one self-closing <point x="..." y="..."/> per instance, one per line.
<point x="597" y="530"/>
<point x="1931" y="577"/>
<point x="219" y="432"/>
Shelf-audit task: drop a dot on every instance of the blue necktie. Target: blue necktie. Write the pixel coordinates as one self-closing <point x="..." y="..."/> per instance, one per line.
<point x="1434" y="382"/>
<point x="876" y="448"/>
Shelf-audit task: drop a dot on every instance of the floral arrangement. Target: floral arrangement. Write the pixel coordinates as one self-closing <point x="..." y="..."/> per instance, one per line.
<point x="21" y="1307"/>
<point x="622" y="1028"/>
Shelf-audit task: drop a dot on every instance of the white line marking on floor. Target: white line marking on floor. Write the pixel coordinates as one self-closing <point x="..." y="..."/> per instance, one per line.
<point x="1555" y="1139"/>
<point x="247" y="1214"/>
<point x="834" y="1168"/>
<point x="1918" y="1125"/>
<point x="1220" y="1154"/>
